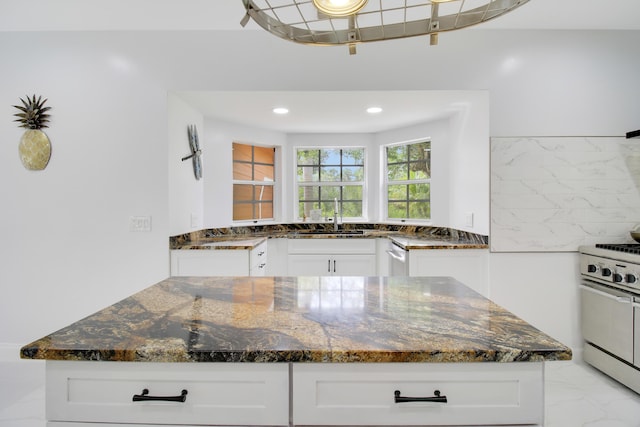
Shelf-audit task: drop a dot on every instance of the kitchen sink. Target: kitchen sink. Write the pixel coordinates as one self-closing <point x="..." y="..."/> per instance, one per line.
<point x="328" y="233"/>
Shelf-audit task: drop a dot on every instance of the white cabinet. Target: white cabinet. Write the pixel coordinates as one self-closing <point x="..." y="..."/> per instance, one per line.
<point x="93" y="394"/>
<point x="219" y="262"/>
<point x="215" y="393"/>
<point x="332" y="257"/>
<point x="469" y="266"/>
<point x="364" y="394"/>
<point x="277" y="257"/>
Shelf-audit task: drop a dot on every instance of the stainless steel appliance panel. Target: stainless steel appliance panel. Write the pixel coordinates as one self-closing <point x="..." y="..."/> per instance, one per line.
<point x="636" y="347"/>
<point x="608" y="319"/>
<point x="398" y="260"/>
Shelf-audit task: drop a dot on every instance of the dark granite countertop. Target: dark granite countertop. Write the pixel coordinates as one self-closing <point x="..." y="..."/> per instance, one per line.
<point x="302" y="319"/>
<point x="408" y="237"/>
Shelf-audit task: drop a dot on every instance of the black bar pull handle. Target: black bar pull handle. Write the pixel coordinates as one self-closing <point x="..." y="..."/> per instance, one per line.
<point x="144" y="396"/>
<point x="436" y="398"/>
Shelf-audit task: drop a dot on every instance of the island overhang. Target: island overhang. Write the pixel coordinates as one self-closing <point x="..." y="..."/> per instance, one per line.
<point x="302" y="319"/>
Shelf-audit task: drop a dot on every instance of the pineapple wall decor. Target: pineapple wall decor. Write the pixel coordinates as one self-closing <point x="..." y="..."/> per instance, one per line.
<point x="35" y="147"/>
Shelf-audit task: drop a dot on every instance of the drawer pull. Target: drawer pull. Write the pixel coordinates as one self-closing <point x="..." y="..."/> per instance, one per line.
<point x="144" y="396"/>
<point x="436" y="398"/>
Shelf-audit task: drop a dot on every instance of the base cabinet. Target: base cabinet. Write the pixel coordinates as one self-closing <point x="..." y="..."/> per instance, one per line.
<point x="364" y="394"/>
<point x="332" y="257"/>
<point x="101" y="394"/>
<point x="219" y="262"/>
<point x="216" y="393"/>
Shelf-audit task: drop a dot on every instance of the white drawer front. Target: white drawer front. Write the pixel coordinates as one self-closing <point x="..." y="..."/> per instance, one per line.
<point x="332" y="246"/>
<point x="217" y="393"/>
<point x="363" y="394"/>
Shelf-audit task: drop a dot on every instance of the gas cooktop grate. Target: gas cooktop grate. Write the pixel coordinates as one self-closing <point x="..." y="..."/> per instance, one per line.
<point x="629" y="248"/>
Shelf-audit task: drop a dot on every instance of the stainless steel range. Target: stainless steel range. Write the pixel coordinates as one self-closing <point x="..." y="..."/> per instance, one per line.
<point x="610" y="309"/>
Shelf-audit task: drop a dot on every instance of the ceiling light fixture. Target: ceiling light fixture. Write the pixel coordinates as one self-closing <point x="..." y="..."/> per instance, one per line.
<point x="339" y="8"/>
<point x="374" y="110"/>
<point x="349" y="22"/>
<point x="281" y="110"/>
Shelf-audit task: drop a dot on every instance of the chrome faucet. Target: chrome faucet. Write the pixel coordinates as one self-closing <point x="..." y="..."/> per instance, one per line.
<point x="335" y="221"/>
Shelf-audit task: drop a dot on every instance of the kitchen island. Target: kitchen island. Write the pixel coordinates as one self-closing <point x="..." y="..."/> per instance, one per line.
<point x="299" y="351"/>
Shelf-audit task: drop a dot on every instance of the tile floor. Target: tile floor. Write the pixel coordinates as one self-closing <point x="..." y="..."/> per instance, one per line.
<point x="576" y="395"/>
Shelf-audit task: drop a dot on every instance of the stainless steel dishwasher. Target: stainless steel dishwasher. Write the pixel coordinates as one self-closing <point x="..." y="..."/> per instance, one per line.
<point x="398" y="260"/>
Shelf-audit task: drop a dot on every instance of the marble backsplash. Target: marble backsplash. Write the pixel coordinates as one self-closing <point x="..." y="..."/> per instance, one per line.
<point x="281" y="230"/>
<point x="557" y="193"/>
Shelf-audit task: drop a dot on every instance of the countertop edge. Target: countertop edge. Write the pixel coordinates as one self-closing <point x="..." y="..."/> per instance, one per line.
<point x="507" y="356"/>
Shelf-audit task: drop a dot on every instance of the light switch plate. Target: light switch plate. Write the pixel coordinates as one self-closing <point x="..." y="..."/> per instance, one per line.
<point x="195" y="220"/>
<point x="468" y="219"/>
<point x="140" y="223"/>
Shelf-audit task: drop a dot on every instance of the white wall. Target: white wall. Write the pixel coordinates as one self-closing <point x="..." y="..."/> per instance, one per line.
<point x="439" y="132"/>
<point x="66" y="246"/>
<point x="186" y="194"/>
<point x="218" y="189"/>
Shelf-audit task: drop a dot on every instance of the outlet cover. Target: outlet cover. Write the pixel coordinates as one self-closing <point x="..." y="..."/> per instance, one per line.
<point x="140" y="223"/>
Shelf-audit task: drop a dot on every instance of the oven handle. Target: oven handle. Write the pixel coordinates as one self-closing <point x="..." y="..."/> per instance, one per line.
<point x="622" y="300"/>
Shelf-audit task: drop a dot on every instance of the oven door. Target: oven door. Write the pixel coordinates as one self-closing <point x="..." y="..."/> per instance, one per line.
<point x="636" y="334"/>
<point x="607" y="319"/>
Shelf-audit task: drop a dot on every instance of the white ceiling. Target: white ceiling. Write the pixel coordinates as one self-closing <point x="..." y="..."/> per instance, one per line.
<point x="310" y="111"/>
<point x="38" y="15"/>
<point x="331" y="112"/>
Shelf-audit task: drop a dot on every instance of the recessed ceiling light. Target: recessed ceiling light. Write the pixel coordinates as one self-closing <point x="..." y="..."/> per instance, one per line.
<point x="374" y="110"/>
<point x="281" y="110"/>
<point x="339" y="7"/>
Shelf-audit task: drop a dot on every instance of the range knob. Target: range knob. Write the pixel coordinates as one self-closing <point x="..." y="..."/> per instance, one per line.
<point x="592" y="268"/>
<point x="606" y="272"/>
<point x="618" y="278"/>
<point x="631" y="278"/>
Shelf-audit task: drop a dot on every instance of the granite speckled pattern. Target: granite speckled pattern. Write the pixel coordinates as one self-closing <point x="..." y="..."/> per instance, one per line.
<point x="422" y="237"/>
<point x="301" y="319"/>
<point x="226" y="244"/>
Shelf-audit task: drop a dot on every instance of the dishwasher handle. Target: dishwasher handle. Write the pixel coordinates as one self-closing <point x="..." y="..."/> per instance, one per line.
<point x="394" y="255"/>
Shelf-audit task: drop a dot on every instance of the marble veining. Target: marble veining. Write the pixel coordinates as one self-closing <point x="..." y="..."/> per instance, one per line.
<point x="302" y="319"/>
<point x="558" y="193"/>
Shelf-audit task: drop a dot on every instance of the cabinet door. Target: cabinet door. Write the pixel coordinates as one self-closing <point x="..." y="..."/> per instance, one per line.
<point x="353" y="265"/>
<point x="468" y="266"/>
<point x="209" y="262"/>
<point x="258" y="258"/>
<point x="328" y="265"/>
<point x="309" y="265"/>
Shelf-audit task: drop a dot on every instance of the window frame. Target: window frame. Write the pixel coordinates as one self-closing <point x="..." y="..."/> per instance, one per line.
<point x="254" y="183"/>
<point x="386" y="182"/>
<point x="340" y="184"/>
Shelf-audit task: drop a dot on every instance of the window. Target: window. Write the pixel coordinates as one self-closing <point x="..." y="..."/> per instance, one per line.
<point x="408" y="181"/>
<point x="329" y="175"/>
<point x="253" y="182"/>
